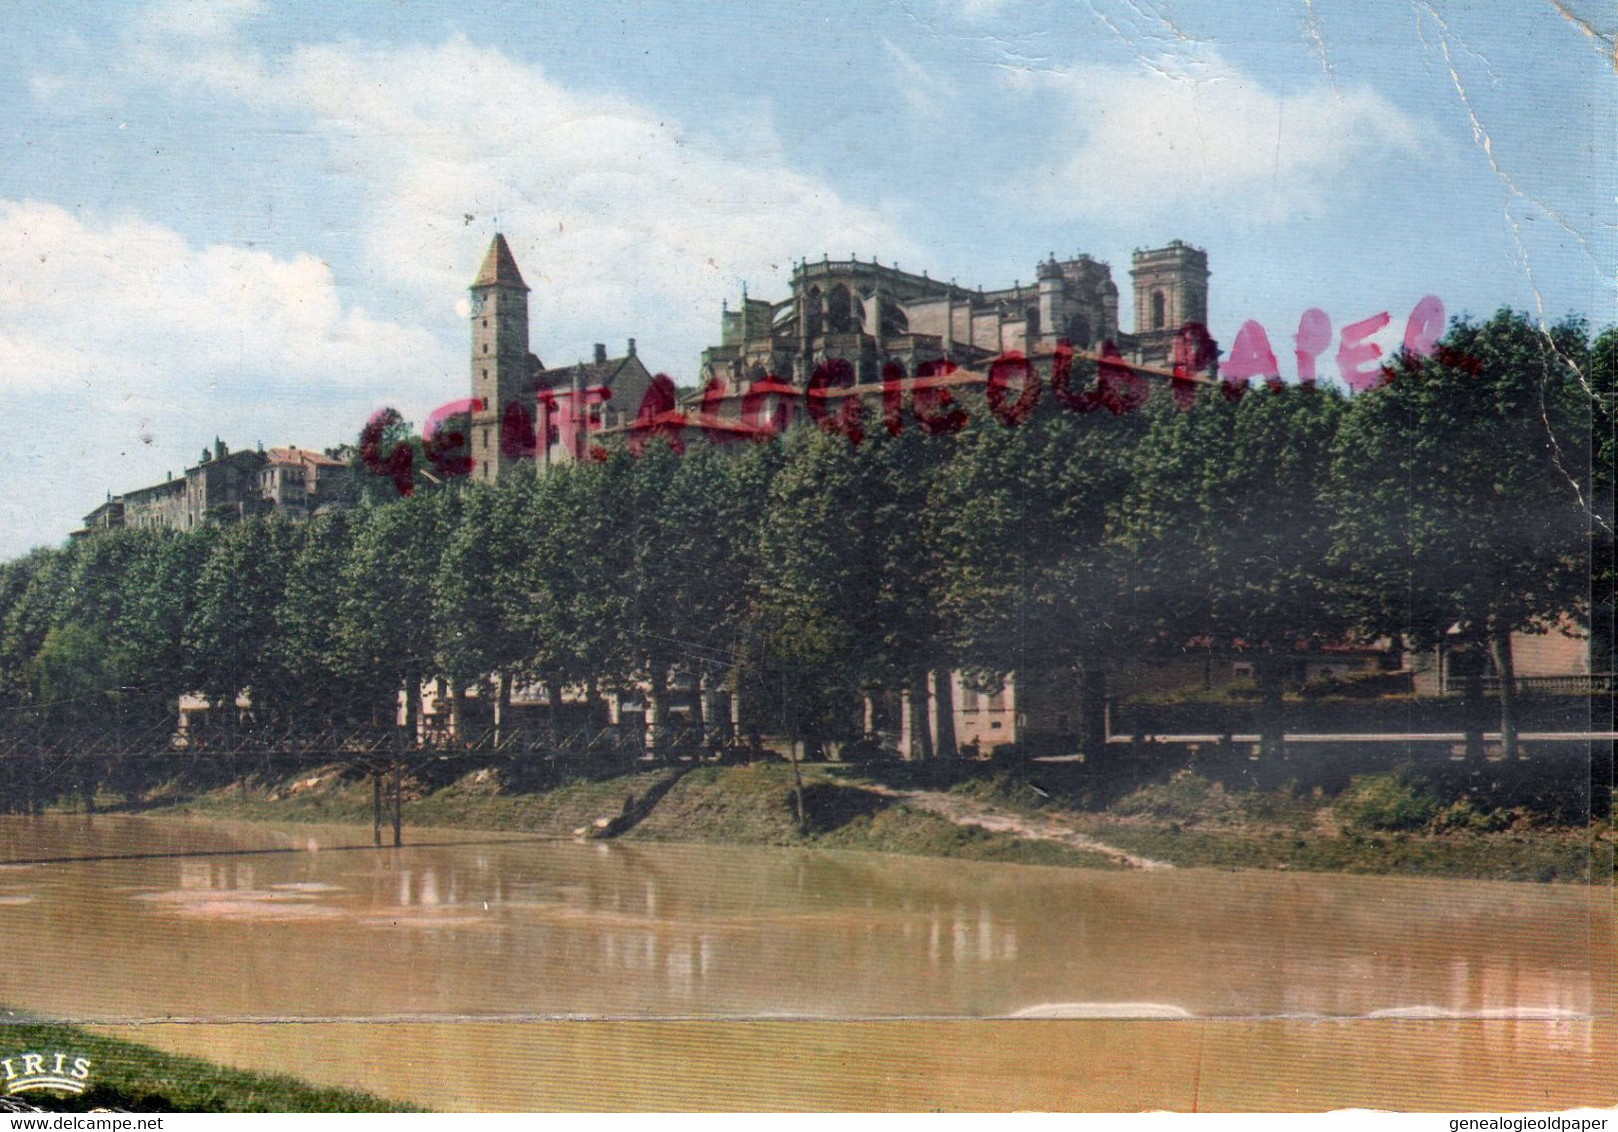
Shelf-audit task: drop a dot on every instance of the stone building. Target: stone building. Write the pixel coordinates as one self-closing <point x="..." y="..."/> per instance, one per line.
<point x="860" y="314"/>
<point x="526" y="410"/>
<point x="298" y="482"/>
<point x="226" y="487"/>
<point x="866" y="314"/>
<point x="104" y="518"/>
<point x="222" y="486"/>
<point x="160" y="505"/>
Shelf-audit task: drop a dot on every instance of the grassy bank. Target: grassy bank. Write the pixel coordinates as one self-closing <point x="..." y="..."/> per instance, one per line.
<point x="1497" y="821"/>
<point x="136" y="1078"/>
<point x="1398" y="821"/>
<point x="738" y="805"/>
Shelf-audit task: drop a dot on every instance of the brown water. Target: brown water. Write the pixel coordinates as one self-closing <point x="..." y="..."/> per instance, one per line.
<point x="463" y="943"/>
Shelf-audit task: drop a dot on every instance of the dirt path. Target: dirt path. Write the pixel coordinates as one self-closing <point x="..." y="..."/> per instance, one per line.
<point x="1052" y="827"/>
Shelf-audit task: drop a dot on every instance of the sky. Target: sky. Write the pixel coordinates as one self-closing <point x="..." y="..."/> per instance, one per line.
<point x="258" y="221"/>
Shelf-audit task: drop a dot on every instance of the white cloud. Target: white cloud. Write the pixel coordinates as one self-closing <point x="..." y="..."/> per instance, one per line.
<point x="1193" y="135"/>
<point x="130" y="301"/>
<point x="129" y="348"/>
<point x="624" y="221"/>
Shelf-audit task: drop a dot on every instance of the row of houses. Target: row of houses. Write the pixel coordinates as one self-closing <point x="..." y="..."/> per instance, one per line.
<point x="225" y="487"/>
<point x="1031" y="711"/>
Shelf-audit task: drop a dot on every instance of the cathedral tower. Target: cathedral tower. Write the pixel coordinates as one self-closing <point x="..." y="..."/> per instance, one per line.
<point x="1171" y="287"/>
<point x="501" y="381"/>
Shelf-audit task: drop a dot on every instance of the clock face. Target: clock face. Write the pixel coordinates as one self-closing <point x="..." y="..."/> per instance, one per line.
<point x="477" y="305"/>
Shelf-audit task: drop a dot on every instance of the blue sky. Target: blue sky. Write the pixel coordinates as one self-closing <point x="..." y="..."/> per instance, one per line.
<point x="258" y="221"/>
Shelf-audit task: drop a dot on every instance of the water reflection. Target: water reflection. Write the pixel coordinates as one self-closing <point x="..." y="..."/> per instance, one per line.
<point x="623" y="930"/>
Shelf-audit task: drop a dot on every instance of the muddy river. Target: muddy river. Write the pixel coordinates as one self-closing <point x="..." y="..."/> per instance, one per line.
<point x="460" y="970"/>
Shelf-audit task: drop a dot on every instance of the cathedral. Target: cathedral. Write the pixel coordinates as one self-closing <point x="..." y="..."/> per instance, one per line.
<point x="866" y="314"/>
<point x="860" y="313"/>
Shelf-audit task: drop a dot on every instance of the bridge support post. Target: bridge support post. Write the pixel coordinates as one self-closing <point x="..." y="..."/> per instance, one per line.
<point x="398" y="789"/>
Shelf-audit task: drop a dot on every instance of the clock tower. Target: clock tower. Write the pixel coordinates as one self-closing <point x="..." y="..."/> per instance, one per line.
<point x="501" y="382"/>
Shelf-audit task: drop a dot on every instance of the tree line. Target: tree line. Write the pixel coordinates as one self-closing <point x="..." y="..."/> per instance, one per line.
<point x="1468" y="497"/>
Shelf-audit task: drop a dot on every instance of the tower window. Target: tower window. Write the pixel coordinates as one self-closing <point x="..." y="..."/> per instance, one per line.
<point x="1159" y="311"/>
<point x="486" y="345"/>
<point x="485" y="324"/>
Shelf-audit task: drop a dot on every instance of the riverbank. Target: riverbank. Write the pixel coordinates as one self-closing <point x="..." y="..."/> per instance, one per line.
<point x="740" y="805"/>
<point x="1477" y="823"/>
<point x="1393" y="823"/>
<point x="130" y="1077"/>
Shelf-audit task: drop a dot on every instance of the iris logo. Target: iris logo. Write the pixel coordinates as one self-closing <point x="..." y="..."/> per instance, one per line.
<point x="27" y="1072"/>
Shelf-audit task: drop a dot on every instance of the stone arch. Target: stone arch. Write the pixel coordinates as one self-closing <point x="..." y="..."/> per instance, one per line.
<point x="813" y="313"/>
<point x="1078" y="331"/>
<point x="839" y="310"/>
<point x="894" y="319"/>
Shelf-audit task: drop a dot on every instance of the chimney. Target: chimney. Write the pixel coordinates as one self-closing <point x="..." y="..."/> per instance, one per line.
<point x="632" y="347"/>
<point x="219" y="449"/>
<point x="601" y="352"/>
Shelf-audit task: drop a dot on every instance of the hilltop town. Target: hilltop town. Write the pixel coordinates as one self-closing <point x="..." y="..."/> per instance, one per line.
<point x="851" y="314"/>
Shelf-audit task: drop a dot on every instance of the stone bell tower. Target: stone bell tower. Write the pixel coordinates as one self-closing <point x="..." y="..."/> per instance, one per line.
<point x="501" y="381"/>
<point x="1171" y="287"/>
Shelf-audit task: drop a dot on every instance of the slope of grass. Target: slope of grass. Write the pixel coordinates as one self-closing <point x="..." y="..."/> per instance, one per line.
<point x="1495" y="822"/>
<point x="132" y="1077"/>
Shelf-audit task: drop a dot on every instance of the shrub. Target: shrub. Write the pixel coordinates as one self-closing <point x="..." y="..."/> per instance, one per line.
<point x="1283" y="802"/>
<point x="1394" y="800"/>
<point x="1466" y="816"/>
<point x="1186" y="796"/>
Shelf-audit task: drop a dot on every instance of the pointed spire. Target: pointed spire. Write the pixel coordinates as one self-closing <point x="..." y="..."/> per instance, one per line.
<point x="499" y="267"/>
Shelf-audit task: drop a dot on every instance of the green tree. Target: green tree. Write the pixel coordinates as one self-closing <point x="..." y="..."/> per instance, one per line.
<point x="231" y="628"/>
<point x="42" y="600"/>
<point x="813" y="628"/>
<point x="569" y="605"/>
<point x="686" y="522"/>
<point x="389" y="460"/>
<point x="475" y="637"/>
<point x="79" y="672"/>
<point x="1463" y="491"/>
<point x="908" y="635"/>
<point x="1228" y="531"/>
<point x="1028" y="578"/>
<point x="317" y="671"/>
<point x="386" y="623"/>
<point x="712" y="507"/>
<point x="15" y="684"/>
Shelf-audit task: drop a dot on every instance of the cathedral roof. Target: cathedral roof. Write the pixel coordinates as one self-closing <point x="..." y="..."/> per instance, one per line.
<point x="499" y="267"/>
